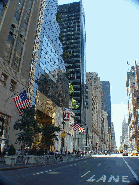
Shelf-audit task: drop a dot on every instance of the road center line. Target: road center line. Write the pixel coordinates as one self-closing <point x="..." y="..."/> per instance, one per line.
<point x="136" y="177"/>
<point x="85" y="174"/>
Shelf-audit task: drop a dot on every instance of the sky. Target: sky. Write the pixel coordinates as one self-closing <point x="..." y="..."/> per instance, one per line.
<point x="112" y="39"/>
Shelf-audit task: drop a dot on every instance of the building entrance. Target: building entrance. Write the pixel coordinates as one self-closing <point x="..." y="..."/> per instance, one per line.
<point x="4" y="126"/>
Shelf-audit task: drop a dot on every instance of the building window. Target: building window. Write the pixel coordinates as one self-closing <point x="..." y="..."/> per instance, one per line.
<point x="12" y="85"/>
<point x="3" y="79"/>
<point x="1" y="9"/>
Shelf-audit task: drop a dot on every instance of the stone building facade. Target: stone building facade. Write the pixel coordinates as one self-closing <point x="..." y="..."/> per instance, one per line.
<point x="132" y="85"/>
<point x="30" y="53"/>
<point x="94" y="110"/>
<point x="17" y="30"/>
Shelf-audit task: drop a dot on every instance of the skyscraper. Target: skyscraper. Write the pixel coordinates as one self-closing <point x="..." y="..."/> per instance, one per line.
<point x="107" y="99"/>
<point x="49" y="66"/>
<point x="124" y="132"/>
<point x="94" y="109"/>
<point x="71" y="20"/>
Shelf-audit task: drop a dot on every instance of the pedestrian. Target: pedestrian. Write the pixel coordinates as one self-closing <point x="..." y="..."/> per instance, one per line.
<point x="3" y="153"/>
<point x="56" y="156"/>
<point x="0" y="154"/>
<point x="28" y="152"/>
<point x="61" y="151"/>
<point x="61" y="158"/>
<point x="19" y="152"/>
<point x="65" y="153"/>
<point x="23" y="152"/>
<point x="7" y="149"/>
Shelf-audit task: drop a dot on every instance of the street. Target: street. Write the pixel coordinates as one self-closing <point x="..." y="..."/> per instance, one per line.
<point x="97" y="169"/>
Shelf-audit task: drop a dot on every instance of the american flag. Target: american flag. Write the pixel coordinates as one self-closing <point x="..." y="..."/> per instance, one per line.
<point x="21" y="101"/>
<point x="81" y="129"/>
<point x="76" y="127"/>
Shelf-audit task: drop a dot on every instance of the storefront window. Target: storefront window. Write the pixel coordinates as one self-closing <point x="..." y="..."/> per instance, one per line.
<point x="3" y="79"/>
<point x="1" y="126"/>
<point x="1" y="9"/>
<point x="13" y="85"/>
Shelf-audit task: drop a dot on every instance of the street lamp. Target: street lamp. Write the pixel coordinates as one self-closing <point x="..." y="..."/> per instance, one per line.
<point x="86" y="134"/>
<point x="109" y="139"/>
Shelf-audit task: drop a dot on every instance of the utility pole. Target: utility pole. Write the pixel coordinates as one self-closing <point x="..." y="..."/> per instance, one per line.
<point x="63" y="137"/>
<point x="109" y="139"/>
<point x="86" y="135"/>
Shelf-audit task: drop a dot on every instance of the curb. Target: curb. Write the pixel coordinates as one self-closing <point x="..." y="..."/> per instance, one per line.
<point x="21" y="167"/>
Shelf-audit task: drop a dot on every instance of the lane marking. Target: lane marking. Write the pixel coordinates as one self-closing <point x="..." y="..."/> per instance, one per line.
<point x="72" y="164"/>
<point x="136" y="177"/>
<point x="91" y="179"/>
<point x="115" y="179"/>
<point x="54" y="172"/>
<point x="124" y="179"/>
<point x="85" y="174"/>
<point x="102" y="178"/>
<point x="40" y="172"/>
<point x="111" y="178"/>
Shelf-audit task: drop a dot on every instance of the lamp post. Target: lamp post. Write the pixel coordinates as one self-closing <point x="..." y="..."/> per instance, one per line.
<point x="136" y="130"/>
<point x="63" y="137"/>
<point x="86" y="134"/>
<point x="109" y="139"/>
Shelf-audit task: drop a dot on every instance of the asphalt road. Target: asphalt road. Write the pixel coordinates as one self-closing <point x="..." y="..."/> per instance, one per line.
<point x="102" y="169"/>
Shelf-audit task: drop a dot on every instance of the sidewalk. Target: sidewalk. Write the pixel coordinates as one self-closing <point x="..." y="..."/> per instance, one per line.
<point x="4" y="167"/>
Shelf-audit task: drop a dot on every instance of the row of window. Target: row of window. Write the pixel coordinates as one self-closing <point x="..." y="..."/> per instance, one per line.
<point x="3" y="80"/>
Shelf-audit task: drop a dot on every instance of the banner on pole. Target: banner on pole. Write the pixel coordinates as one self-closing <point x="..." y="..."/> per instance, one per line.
<point x="66" y="114"/>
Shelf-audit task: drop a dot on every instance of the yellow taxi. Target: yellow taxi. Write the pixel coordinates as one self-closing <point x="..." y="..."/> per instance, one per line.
<point x="134" y="153"/>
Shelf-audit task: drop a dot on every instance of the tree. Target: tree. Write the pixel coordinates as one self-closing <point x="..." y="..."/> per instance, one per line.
<point x="48" y="135"/>
<point x="125" y="146"/>
<point x="28" y="126"/>
<point x="74" y="105"/>
<point x="12" y="150"/>
<point x="71" y="91"/>
<point x="120" y="148"/>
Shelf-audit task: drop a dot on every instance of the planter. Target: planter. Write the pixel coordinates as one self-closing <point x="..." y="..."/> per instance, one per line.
<point x="40" y="159"/>
<point x="32" y="159"/>
<point x="10" y="160"/>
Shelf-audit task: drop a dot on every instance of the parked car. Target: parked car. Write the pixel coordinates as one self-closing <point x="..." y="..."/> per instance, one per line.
<point x="99" y="152"/>
<point x="125" y="153"/>
<point x="134" y="153"/>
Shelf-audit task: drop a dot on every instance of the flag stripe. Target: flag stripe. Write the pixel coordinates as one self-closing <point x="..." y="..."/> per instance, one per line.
<point x="76" y="127"/>
<point x="20" y="102"/>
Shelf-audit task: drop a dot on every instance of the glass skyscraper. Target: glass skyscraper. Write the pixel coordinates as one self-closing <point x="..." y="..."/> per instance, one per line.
<point x="73" y="38"/>
<point x="107" y="99"/>
<point x="50" y="68"/>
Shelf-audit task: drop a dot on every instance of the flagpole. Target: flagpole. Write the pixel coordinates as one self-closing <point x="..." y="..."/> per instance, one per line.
<point x="15" y="94"/>
<point x="75" y="140"/>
